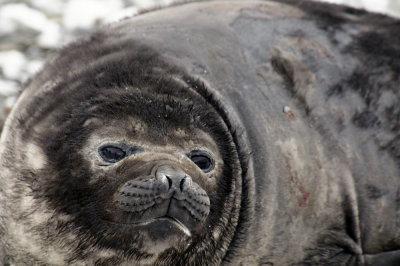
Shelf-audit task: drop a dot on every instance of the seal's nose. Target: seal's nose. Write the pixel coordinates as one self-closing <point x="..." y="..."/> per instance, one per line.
<point x="174" y="177"/>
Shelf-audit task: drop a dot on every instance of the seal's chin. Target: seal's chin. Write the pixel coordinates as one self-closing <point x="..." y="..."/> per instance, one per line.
<point x="164" y="233"/>
<point x="156" y="234"/>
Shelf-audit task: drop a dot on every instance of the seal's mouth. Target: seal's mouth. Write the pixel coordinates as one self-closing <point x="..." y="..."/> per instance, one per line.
<point x="164" y="223"/>
<point x="176" y="223"/>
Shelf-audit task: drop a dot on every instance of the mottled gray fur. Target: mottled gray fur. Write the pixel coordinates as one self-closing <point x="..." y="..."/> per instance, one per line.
<point x="298" y="103"/>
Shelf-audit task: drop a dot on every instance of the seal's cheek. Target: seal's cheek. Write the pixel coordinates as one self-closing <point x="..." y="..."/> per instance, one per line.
<point x="35" y="157"/>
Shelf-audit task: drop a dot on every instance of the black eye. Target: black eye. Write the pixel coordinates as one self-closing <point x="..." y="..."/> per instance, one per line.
<point x="113" y="153"/>
<point x="203" y="160"/>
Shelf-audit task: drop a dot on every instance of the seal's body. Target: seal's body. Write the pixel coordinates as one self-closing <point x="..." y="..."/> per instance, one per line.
<point x="238" y="133"/>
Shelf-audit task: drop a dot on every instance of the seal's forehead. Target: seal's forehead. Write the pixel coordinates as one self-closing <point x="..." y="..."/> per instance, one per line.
<point x="126" y="126"/>
<point x="136" y="131"/>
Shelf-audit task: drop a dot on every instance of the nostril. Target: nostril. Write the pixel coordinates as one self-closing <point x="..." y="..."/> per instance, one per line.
<point x="185" y="183"/>
<point x="169" y="182"/>
<point x="181" y="184"/>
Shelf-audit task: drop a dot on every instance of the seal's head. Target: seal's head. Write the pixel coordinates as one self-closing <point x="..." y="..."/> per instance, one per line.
<point x="129" y="160"/>
<point x="140" y="171"/>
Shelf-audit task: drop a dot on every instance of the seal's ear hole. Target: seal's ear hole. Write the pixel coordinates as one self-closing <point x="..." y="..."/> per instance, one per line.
<point x="113" y="153"/>
<point x="203" y="160"/>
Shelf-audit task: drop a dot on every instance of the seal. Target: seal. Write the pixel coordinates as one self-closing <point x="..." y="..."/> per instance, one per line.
<point x="226" y="132"/>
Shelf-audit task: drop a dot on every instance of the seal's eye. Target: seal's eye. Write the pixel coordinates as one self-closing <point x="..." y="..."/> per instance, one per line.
<point x="203" y="160"/>
<point x="112" y="154"/>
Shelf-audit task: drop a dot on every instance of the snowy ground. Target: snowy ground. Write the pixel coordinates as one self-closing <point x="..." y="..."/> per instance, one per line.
<point x="31" y="30"/>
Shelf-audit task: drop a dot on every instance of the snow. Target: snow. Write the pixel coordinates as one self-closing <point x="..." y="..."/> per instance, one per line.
<point x="19" y="14"/>
<point x="85" y="14"/>
<point x="379" y="6"/>
<point x="51" y="7"/>
<point x="33" y="67"/>
<point x="50" y="36"/>
<point x="12" y="63"/>
<point x="8" y="88"/>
